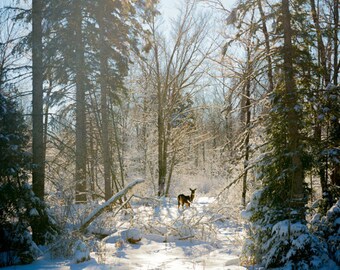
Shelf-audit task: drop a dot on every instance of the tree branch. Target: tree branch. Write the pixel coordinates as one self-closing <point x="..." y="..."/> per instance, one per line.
<point x="100" y="209"/>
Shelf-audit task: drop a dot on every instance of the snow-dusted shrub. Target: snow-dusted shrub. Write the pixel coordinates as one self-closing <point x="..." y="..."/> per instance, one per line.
<point x="20" y="209"/>
<point x="278" y="233"/>
<point x="17" y="246"/>
<point x="293" y="244"/>
<point x="328" y="229"/>
<point x="81" y="252"/>
<point x="193" y="224"/>
<point x="280" y="243"/>
<point x="63" y="245"/>
<point x="175" y="224"/>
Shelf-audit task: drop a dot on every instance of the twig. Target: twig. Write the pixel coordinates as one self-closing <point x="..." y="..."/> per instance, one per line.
<point x="186" y="237"/>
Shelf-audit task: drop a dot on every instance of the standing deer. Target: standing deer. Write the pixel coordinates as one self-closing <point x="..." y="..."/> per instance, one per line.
<point x="183" y="199"/>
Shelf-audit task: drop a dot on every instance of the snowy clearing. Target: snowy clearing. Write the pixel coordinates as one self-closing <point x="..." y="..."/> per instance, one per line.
<point x="194" y="238"/>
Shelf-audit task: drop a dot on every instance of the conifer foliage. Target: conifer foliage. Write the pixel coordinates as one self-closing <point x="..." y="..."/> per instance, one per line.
<point x="19" y="207"/>
<point x="279" y="235"/>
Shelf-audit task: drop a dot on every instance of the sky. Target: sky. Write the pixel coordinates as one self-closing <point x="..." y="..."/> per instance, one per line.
<point x="169" y="8"/>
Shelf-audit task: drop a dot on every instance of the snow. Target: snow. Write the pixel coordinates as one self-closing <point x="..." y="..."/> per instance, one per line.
<point x="330" y="87"/>
<point x="34" y="212"/>
<point x="193" y="238"/>
<point x="298" y="108"/>
<point x="81" y="252"/>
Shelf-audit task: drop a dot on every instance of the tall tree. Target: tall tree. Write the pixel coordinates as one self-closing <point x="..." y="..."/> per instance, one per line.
<point x="281" y="203"/>
<point x="336" y="64"/>
<point x="79" y="54"/>
<point x="325" y="80"/>
<point x="104" y="70"/>
<point x="291" y="103"/>
<point x="38" y="172"/>
<point x="91" y="42"/>
<point x="175" y="67"/>
<point x="335" y="124"/>
<point x="252" y="80"/>
<point x="246" y="115"/>
<point x="119" y="33"/>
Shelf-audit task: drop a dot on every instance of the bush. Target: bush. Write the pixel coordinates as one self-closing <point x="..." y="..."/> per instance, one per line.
<point x="327" y="228"/>
<point x="19" y="207"/>
<point x="280" y="243"/>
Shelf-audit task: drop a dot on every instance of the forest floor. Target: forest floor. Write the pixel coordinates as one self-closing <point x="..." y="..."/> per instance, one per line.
<point x="199" y="237"/>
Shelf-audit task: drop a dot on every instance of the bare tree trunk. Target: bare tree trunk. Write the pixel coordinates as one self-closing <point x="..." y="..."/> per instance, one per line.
<point x="293" y="127"/>
<point x="162" y="155"/>
<point x="38" y="172"/>
<point x="162" y="168"/>
<point x="335" y="126"/>
<point x="318" y="129"/>
<point x="266" y="37"/>
<point x="336" y="42"/>
<point x="38" y="147"/>
<point x="144" y="140"/>
<point x="120" y="154"/>
<point x="46" y="112"/>
<point x="104" y="109"/>
<point x="204" y="155"/>
<point x="80" y="175"/>
<point x="115" y="183"/>
<point x="247" y="110"/>
<point x="321" y="46"/>
<point x="172" y="166"/>
<point x="92" y="166"/>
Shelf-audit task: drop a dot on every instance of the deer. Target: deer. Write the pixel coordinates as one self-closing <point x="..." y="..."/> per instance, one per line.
<point x="183" y="199"/>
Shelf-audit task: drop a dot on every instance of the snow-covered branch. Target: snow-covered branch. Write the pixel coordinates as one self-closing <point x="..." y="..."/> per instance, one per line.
<point x="100" y="209"/>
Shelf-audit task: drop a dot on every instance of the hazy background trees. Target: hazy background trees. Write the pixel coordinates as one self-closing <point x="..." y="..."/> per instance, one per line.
<point x="204" y="95"/>
<point x="213" y="101"/>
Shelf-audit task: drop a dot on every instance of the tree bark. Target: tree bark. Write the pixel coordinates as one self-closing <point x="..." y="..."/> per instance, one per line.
<point x="336" y="41"/>
<point x="335" y="125"/>
<point x="120" y="152"/>
<point x="172" y="166"/>
<point x="80" y="175"/>
<point x="321" y="46"/>
<point x="38" y="172"/>
<point x="162" y="166"/>
<point x="247" y="111"/>
<point x="104" y="108"/>
<point x="290" y="102"/>
<point x="325" y="81"/>
<point x="267" y="43"/>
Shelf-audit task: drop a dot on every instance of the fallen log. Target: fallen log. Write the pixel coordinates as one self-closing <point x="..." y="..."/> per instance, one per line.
<point x="100" y="209"/>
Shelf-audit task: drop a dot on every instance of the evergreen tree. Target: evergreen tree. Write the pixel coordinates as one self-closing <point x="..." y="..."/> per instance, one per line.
<point x="19" y="207"/>
<point x="76" y="23"/>
<point x="279" y="235"/>
<point x="91" y="43"/>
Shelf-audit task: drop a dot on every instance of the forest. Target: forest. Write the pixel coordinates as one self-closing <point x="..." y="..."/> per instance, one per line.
<point x="158" y="134"/>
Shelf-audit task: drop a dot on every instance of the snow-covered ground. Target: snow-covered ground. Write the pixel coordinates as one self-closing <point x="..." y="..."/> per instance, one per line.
<point x="195" y="238"/>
